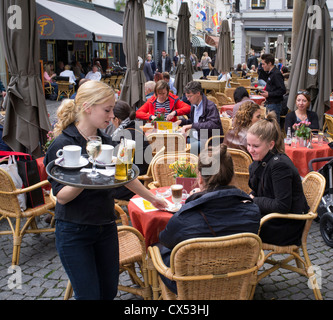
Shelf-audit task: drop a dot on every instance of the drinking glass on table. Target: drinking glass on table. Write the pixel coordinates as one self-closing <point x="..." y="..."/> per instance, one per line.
<point x="177" y="194"/>
<point x="94" y="148"/>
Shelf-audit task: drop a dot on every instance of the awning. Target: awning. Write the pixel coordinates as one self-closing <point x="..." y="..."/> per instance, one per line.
<point x="213" y="41"/>
<point x="58" y="21"/>
<point x="199" y="42"/>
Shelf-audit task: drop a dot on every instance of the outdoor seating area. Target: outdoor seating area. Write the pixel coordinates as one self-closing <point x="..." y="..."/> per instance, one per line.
<point x="198" y="173"/>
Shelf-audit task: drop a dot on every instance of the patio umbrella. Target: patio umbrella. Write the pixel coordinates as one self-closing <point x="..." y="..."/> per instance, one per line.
<point x="312" y="60"/>
<point x="280" y="53"/>
<point x="224" y="56"/>
<point x="26" y="121"/>
<point x="134" y="32"/>
<point x="184" y="70"/>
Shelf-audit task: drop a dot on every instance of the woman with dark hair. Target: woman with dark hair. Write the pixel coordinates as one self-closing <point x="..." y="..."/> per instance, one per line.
<point x="217" y="209"/>
<point x="302" y="113"/>
<point x="275" y="182"/>
<point x="240" y="96"/>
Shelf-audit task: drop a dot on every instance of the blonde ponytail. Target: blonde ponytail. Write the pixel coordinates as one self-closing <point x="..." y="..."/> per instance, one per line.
<point x="90" y="93"/>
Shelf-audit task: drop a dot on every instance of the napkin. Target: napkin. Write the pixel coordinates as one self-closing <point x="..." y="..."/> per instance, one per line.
<point x="106" y="172"/>
<point x="146" y="206"/>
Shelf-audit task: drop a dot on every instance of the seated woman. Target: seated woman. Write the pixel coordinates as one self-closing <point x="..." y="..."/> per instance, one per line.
<point x="218" y="206"/>
<point x="276" y="183"/>
<point x="49" y="76"/>
<point x="248" y="114"/>
<point x="302" y="113"/>
<point x="123" y="121"/>
<point x="241" y="95"/>
<point x="163" y="99"/>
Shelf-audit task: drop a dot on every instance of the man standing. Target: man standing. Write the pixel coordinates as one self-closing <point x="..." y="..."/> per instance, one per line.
<point x="164" y="65"/>
<point x="275" y="88"/>
<point x="204" y="120"/>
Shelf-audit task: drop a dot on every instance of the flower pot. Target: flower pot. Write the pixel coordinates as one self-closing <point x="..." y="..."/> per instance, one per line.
<point x="188" y="183"/>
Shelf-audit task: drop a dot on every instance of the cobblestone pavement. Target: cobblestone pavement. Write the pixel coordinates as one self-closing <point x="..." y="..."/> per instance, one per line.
<point x="43" y="277"/>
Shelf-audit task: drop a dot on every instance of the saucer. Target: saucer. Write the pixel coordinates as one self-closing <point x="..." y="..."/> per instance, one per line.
<point x="102" y="164"/>
<point x="83" y="162"/>
<point x="173" y="208"/>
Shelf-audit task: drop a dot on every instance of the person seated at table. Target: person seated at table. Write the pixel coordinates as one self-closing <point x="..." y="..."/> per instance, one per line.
<point x="149" y="89"/>
<point x="94" y="74"/>
<point x="49" y="76"/>
<point x="123" y="121"/>
<point x="163" y="98"/>
<point x="216" y="209"/>
<point x="241" y="95"/>
<point x="68" y="73"/>
<point x="248" y="114"/>
<point x="86" y="232"/>
<point x="275" y="182"/>
<point x="302" y="113"/>
<point x="204" y="120"/>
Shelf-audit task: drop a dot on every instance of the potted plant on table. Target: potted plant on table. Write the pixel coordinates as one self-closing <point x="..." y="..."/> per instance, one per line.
<point x="185" y="173"/>
<point x="303" y="132"/>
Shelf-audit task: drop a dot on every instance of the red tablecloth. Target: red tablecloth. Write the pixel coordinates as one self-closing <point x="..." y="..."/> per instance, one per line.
<point x="227" y="107"/>
<point x="150" y="224"/>
<point x="301" y="157"/>
<point x="257" y="98"/>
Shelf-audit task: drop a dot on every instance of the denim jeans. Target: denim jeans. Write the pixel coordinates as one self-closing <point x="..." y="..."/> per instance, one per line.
<point x="90" y="256"/>
<point x="276" y="107"/>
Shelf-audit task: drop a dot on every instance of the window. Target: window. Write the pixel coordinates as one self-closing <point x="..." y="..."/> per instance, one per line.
<point x="258" y="4"/>
<point x="290" y="4"/>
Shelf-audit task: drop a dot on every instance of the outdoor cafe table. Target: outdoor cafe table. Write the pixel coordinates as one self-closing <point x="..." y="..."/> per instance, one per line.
<point x="301" y="156"/>
<point x="257" y="98"/>
<point x="151" y="223"/>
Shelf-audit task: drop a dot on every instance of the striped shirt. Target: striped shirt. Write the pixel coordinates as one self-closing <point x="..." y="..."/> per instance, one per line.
<point x="165" y="105"/>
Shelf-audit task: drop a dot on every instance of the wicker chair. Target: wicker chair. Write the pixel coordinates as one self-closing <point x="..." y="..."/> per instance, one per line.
<point x="313" y="186"/>
<point x="211" y="98"/>
<point x="244" y="82"/>
<point x="226" y="124"/>
<point x="112" y="81"/>
<point x="230" y="93"/>
<point x="234" y="84"/>
<point x="329" y="125"/>
<point x="132" y="250"/>
<point x="118" y="81"/>
<point x="242" y="161"/>
<point x="173" y="142"/>
<point x="65" y="88"/>
<point x="216" y="268"/>
<point x="164" y="176"/>
<point x="10" y="209"/>
<point x="48" y="88"/>
<point x="223" y="99"/>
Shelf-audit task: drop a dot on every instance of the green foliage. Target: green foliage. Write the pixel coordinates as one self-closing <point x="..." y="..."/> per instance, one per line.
<point x="160" y="6"/>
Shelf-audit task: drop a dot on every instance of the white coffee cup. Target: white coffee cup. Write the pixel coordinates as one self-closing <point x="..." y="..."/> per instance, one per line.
<point x="106" y="154"/>
<point x="71" y="155"/>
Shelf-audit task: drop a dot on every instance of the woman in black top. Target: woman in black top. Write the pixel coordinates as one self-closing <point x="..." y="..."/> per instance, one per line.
<point x="302" y="113"/>
<point x="275" y="182"/>
<point x="86" y="233"/>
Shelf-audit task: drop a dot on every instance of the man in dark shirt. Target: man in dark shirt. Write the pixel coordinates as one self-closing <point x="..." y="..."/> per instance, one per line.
<point x="275" y="88"/>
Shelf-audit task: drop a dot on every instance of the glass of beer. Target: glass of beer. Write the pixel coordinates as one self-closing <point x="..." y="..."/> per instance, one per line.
<point x="130" y="146"/>
<point x="122" y="162"/>
<point x="94" y="148"/>
<point x="177" y="194"/>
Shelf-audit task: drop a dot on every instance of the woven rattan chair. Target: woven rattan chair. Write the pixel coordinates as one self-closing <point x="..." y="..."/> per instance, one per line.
<point x="118" y="81"/>
<point x="244" y="82"/>
<point x="132" y="251"/>
<point x="242" y="161"/>
<point x="226" y="124"/>
<point x="313" y="186"/>
<point x="230" y="93"/>
<point x="173" y="142"/>
<point x="216" y="268"/>
<point x="223" y="99"/>
<point x="112" y="81"/>
<point x="211" y="98"/>
<point x="48" y="88"/>
<point x="328" y="124"/>
<point x="10" y="210"/>
<point x="163" y="176"/>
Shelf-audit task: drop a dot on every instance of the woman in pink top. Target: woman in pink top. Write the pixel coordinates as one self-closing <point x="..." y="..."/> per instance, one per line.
<point x="49" y="78"/>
